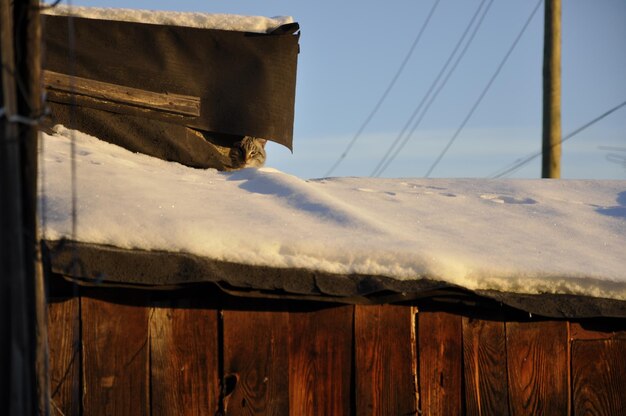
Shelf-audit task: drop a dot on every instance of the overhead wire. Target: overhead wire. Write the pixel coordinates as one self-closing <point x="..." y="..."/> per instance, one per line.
<point x="386" y="92"/>
<point x="518" y="164"/>
<point x="484" y="91"/>
<point x="387" y="159"/>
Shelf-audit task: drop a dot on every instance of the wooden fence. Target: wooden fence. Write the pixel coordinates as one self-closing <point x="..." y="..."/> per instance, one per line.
<point x="130" y="352"/>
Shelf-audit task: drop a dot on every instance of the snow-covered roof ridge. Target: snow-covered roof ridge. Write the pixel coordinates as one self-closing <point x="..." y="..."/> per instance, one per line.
<point x="256" y="24"/>
<point x="516" y="236"/>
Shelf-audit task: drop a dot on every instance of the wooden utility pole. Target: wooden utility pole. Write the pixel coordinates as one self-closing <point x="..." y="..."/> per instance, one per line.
<point x="23" y="391"/>
<point x="551" y="160"/>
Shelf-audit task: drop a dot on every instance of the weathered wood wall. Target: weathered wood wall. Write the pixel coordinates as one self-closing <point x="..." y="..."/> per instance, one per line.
<point x="125" y="352"/>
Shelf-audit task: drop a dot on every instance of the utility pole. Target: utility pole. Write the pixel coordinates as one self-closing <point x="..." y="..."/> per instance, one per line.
<point x="23" y="369"/>
<point x="551" y="153"/>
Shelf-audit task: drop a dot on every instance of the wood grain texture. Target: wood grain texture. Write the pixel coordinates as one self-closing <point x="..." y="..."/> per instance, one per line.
<point x="597" y="329"/>
<point x="115" y="358"/>
<point x="439" y="338"/>
<point x="64" y="344"/>
<point x="484" y="357"/>
<point x="256" y="355"/>
<point x="184" y="360"/>
<point x="119" y="94"/>
<point x="320" y="368"/>
<point x="599" y="377"/>
<point x="538" y="367"/>
<point x="385" y="382"/>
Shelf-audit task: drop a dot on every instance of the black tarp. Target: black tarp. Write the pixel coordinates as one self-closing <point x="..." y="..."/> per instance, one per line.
<point x="245" y="83"/>
<point x="93" y="264"/>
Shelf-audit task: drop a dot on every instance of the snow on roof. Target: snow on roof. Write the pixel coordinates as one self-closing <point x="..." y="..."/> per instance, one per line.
<point x="257" y="24"/>
<point x="519" y="236"/>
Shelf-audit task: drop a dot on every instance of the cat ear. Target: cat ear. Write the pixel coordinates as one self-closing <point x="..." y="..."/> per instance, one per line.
<point x="262" y="142"/>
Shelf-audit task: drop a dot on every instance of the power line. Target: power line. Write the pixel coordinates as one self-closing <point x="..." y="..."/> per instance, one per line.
<point x="386" y="160"/>
<point x="484" y="92"/>
<point x="384" y="96"/>
<point x="522" y="162"/>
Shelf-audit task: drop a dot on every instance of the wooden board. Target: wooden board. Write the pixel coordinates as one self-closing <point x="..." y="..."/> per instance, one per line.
<point x="184" y="360"/>
<point x="384" y="360"/>
<point x="538" y="367"/>
<point x="599" y="377"/>
<point x="64" y="344"/>
<point x="320" y="368"/>
<point x="484" y="357"/>
<point x="107" y="93"/>
<point x="597" y="329"/>
<point x="115" y="358"/>
<point x="439" y="337"/>
<point x="256" y="362"/>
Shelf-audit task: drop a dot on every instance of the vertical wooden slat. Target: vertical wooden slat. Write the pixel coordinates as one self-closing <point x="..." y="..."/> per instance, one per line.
<point x="320" y="367"/>
<point x="256" y="357"/>
<point x="599" y="377"/>
<point x="184" y="360"/>
<point x="64" y="344"/>
<point x="597" y="329"/>
<point x="484" y="358"/>
<point x="385" y="383"/>
<point x="115" y="358"/>
<point x="440" y="362"/>
<point x="538" y="368"/>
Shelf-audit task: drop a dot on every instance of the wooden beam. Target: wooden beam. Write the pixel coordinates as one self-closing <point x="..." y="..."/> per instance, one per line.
<point x="59" y="85"/>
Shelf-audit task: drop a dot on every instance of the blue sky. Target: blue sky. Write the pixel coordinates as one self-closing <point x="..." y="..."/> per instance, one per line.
<point x="350" y="50"/>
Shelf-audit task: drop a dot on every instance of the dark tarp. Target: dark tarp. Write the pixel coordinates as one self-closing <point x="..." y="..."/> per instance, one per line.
<point x="245" y="83"/>
<point x="90" y="264"/>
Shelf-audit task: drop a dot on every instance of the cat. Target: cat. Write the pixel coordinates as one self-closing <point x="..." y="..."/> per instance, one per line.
<point x="248" y="153"/>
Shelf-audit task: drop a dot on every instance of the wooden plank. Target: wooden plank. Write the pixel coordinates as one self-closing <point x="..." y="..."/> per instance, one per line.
<point x="105" y="92"/>
<point x="599" y="377"/>
<point x="538" y="367"/>
<point x="115" y="358"/>
<point x="439" y="338"/>
<point x="64" y="367"/>
<point x="256" y="357"/>
<point x="597" y="329"/>
<point x="484" y="357"/>
<point x="184" y="372"/>
<point x="384" y="353"/>
<point x="320" y="367"/>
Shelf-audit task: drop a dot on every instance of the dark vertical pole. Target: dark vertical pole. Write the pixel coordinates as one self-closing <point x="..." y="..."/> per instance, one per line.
<point x="551" y="160"/>
<point x="28" y="32"/>
<point x="19" y="100"/>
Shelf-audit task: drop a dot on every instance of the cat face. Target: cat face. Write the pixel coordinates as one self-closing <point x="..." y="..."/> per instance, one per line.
<point x="249" y="153"/>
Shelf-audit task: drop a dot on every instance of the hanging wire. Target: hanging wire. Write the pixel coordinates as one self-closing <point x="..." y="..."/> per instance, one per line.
<point x="71" y="50"/>
<point x="617" y="158"/>
<point x="484" y="92"/>
<point x="518" y="164"/>
<point x="384" y="96"/>
<point x="386" y="160"/>
<point x="52" y="5"/>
